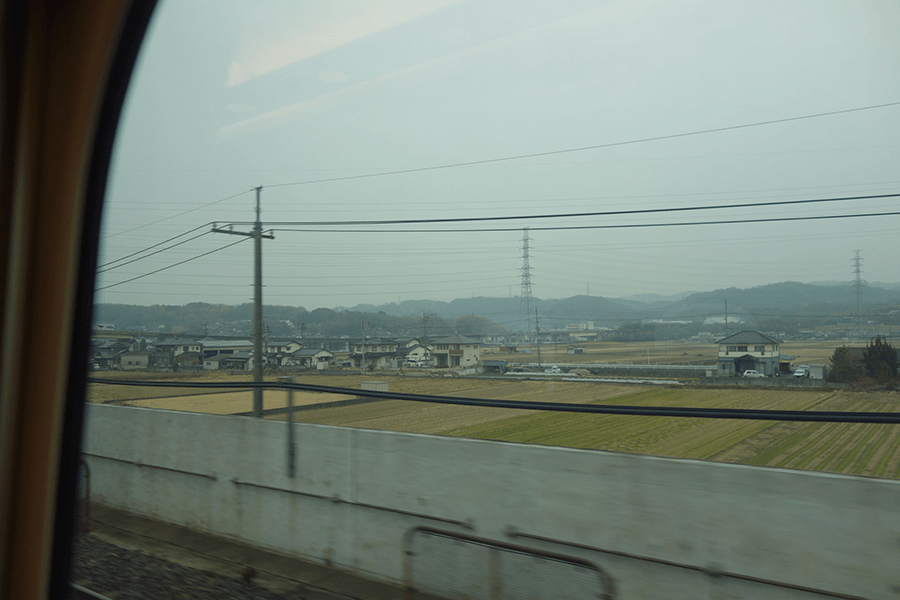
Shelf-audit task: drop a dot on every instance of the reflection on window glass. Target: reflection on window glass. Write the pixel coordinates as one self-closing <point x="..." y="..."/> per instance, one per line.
<point x="568" y="202"/>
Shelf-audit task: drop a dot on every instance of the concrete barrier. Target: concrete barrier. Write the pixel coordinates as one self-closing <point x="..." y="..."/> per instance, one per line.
<point x="438" y="513"/>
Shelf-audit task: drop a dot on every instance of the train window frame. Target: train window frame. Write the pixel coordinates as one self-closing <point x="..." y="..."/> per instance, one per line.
<point x="65" y="70"/>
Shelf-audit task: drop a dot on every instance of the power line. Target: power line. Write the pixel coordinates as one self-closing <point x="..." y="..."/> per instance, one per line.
<point x="581" y="227"/>
<point x="134" y="260"/>
<point x="154" y="245"/>
<point x="608" y="213"/>
<point x="593" y="147"/>
<point x="170" y="266"/>
<point x="178" y="215"/>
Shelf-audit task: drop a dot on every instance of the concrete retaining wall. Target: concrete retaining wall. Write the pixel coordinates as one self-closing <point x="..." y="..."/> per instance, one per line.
<point x="641" y="527"/>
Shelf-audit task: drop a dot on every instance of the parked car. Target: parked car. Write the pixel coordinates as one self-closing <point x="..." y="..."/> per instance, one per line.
<point x="752" y="373"/>
<point x="801" y="372"/>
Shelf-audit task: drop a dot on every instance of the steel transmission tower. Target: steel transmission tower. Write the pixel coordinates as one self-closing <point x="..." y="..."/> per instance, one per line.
<point x="858" y="285"/>
<point x="525" y="308"/>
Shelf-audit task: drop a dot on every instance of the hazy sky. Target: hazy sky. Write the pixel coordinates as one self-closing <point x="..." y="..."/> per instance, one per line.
<point x="232" y="95"/>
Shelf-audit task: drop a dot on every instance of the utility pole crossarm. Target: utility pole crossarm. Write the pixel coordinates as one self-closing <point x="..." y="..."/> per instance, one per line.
<point x="268" y="236"/>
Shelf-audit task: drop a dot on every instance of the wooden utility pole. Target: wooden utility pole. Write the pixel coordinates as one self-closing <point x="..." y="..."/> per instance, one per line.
<point x="258" y="355"/>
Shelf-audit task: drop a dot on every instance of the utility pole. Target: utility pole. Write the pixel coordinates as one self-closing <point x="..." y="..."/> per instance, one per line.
<point x="364" y="326"/>
<point x="726" y="317"/>
<point x="424" y="327"/>
<point x="258" y="356"/>
<point x="537" y="336"/>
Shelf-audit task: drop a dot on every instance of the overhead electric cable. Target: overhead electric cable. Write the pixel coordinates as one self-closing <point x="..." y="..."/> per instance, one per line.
<point x="593" y="147"/>
<point x="190" y="239"/>
<point x="178" y="214"/>
<point x="154" y="245"/>
<point x="609" y="213"/>
<point x="579" y="227"/>
<point x="173" y="265"/>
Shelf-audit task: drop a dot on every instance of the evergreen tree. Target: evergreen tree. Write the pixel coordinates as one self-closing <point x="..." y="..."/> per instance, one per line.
<point x="846" y="367"/>
<point x="880" y="359"/>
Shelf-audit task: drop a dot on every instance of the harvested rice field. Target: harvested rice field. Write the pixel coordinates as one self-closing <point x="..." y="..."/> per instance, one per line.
<point x="860" y="449"/>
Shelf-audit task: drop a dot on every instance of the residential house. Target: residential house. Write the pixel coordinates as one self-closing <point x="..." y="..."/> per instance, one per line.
<point x="189" y="361"/>
<point x="748" y="350"/>
<point x="456" y="351"/>
<point x="378" y="353"/>
<point x="214" y="362"/>
<point x="167" y="350"/>
<point x="331" y="344"/>
<point x="237" y="361"/>
<point x="213" y="347"/>
<point x="179" y="345"/>
<point x="278" y="350"/>
<point x="106" y="354"/>
<point x="310" y="357"/>
<point x="135" y="359"/>
<point x="418" y="353"/>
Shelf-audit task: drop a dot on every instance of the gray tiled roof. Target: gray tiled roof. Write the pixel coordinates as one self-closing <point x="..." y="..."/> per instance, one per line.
<point x="211" y="344"/>
<point x="455" y="339"/>
<point x="748" y="337"/>
<point x="311" y="351"/>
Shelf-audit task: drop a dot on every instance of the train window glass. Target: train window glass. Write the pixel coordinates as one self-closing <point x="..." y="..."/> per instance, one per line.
<point x="580" y="183"/>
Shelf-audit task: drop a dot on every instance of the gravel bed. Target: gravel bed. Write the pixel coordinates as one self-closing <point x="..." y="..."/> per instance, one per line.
<point x="124" y="574"/>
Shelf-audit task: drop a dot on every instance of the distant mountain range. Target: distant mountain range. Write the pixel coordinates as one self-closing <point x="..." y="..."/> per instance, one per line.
<point x="775" y="305"/>
<point x="772" y="300"/>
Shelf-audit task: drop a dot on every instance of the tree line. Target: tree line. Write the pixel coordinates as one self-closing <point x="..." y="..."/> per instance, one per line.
<point x="876" y="364"/>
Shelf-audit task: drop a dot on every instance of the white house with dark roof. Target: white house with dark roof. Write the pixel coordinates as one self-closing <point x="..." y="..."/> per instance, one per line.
<point x="456" y="351"/>
<point x="418" y="353"/>
<point x="213" y="347"/>
<point x="178" y="345"/>
<point x="237" y="361"/>
<point x="748" y="350"/>
<point x="282" y="345"/>
<point x="310" y="357"/>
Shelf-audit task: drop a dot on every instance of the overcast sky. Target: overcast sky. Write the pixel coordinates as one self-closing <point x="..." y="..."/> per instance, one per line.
<point x="228" y="96"/>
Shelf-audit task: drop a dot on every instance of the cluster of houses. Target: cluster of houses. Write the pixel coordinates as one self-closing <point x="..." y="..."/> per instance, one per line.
<point x="177" y="354"/>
